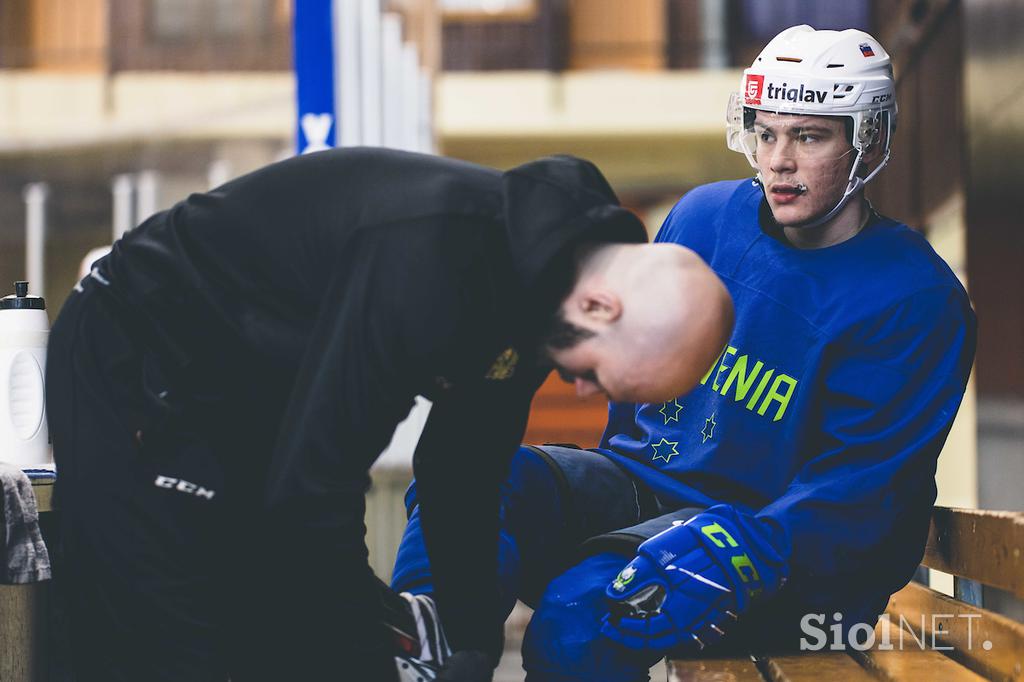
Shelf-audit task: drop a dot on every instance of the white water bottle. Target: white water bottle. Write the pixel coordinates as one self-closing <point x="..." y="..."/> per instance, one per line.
<point x="24" y="330"/>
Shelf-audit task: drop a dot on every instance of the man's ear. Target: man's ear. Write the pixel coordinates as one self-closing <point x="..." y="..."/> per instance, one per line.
<point x="872" y="155"/>
<point x="869" y="160"/>
<point x="601" y="306"/>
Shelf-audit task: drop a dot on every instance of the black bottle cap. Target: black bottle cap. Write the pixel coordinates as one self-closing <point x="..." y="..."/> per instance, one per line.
<point x="21" y="300"/>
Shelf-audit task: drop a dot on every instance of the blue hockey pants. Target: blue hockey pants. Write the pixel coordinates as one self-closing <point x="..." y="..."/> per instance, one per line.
<point x="554" y="500"/>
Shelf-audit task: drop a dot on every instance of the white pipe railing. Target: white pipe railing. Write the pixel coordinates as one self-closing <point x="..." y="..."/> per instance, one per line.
<point x="147" y="186"/>
<point x="347" y="74"/>
<point x="122" y="187"/>
<point x="371" y="71"/>
<point x="35" y="195"/>
<point x="391" y="50"/>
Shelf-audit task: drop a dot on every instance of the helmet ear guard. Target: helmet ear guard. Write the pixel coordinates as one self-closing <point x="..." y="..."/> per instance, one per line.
<point x="868" y="132"/>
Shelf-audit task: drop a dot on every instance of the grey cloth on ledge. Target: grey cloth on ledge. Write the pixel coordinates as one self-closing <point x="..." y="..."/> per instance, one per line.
<point x="25" y="559"/>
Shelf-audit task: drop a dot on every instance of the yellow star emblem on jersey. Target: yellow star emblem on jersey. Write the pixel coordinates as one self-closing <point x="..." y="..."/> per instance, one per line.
<point x="670" y="411"/>
<point x="504" y="366"/>
<point x="665" y="450"/>
<point x="709" y="428"/>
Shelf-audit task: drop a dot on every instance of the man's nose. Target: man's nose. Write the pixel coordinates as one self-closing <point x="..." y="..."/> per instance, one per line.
<point x="783" y="157"/>
<point x="585" y="388"/>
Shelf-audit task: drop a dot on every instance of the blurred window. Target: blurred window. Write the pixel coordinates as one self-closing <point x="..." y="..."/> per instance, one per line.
<point x="175" y="19"/>
<point x="484" y="35"/>
<point x="178" y="20"/>
<point x="488" y="9"/>
<point x="764" y="20"/>
<point x="241" y="17"/>
<point x="756" y="21"/>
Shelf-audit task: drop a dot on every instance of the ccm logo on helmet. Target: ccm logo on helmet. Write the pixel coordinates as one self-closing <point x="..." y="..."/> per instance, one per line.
<point x="755" y="85"/>
<point x="800" y="94"/>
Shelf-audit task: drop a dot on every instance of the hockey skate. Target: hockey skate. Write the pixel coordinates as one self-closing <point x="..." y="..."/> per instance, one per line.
<point x="420" y="645"/>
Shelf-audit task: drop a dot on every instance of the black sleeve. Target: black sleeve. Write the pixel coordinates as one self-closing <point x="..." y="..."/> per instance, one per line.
<point x="351" y="391"/>
<point x="397" y="301"/>
<point x="460" y="462"/>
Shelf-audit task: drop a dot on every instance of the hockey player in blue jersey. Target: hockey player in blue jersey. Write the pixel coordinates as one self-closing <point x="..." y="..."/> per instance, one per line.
<point x="798" y="477"/>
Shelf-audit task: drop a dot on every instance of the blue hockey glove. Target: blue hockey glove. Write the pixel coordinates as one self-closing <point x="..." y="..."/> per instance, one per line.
<point x="689" y="584"/>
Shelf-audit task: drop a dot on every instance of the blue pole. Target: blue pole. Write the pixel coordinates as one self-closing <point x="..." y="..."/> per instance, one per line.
<point x="314" y="75"/>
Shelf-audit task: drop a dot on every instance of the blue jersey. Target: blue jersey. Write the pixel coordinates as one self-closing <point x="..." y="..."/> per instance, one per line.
<point x="825" y="413"/>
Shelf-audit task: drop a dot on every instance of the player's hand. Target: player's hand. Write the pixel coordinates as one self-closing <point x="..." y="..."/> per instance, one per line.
<point x="467" y="666"/>
<point x="688" y="585"/>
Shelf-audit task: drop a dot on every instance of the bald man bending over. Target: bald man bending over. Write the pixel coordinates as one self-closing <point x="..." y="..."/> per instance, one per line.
<point x="220" y="384"/>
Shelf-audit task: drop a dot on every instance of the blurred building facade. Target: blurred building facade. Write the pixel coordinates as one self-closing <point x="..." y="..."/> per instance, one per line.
<point x="159" y="97"/>
<point x="201" y="90"/>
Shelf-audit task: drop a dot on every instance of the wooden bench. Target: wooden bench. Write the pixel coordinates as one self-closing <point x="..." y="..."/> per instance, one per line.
<point x="970" y="643"/>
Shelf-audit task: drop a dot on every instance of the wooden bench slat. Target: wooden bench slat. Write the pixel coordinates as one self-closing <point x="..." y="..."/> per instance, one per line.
<point x="714" y="670"/>
<point x="22" y="629"/>
<point x="813" y="667"/>
<point x="910" y="666"/>
<point x="987" y="546"/>
<point x="965" y="627"/>
<point x="43" y="489"/>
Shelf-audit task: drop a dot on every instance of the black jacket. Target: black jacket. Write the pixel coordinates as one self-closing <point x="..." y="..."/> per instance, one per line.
<point x="340" y="285"/>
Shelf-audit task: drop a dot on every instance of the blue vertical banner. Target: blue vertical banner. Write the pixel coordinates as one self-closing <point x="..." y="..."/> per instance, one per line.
<point x="314" y="75"/>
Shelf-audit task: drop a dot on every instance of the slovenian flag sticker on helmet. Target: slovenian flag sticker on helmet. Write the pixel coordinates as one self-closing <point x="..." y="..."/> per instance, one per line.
<point x="865" y="49"/>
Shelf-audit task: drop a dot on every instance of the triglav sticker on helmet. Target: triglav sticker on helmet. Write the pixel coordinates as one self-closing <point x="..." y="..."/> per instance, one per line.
<point x="800" y="94"/>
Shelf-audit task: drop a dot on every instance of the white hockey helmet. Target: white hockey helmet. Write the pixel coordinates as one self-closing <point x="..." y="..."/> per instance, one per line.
<point x="819" y="73"/>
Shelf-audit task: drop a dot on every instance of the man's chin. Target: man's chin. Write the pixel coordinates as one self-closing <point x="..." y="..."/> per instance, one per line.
<point x="789" y="216"/>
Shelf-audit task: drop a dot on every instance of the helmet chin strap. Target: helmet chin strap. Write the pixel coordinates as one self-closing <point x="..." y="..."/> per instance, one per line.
<point x="852" y="187"/>
<point x="854" y="184"/>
